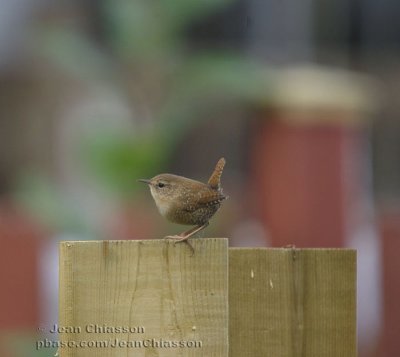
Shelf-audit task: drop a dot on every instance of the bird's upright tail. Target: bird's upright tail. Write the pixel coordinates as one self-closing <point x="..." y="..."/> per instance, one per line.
<point x="215" y="177"/>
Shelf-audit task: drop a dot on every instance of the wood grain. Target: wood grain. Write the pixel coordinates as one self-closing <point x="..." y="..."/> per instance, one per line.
<point x="152" y="285"/>
<point x="292" y="302"/>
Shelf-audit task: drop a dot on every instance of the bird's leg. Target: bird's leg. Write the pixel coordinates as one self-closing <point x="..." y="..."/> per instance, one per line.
<point x="188" y="234"/>
<point x="183" y="237"/>
<point x="180" y="236"/>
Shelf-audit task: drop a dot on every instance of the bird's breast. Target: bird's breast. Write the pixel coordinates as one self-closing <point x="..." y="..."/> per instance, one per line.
<point x="163" y="207"/>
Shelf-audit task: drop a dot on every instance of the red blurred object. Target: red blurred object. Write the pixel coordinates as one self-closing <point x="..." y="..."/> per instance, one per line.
<point x="300" y="179"/>
<point x="390" y="231"/>
<point x="19" y="260"/>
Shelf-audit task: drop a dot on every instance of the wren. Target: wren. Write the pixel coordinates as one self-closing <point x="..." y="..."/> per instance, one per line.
<point x="188" y="202"/>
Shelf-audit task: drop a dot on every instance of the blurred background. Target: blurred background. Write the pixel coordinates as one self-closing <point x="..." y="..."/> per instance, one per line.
<point x="301" y="97"/>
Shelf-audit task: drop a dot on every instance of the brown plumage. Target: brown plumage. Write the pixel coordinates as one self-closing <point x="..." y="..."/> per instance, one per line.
<point x="186" y="201"/>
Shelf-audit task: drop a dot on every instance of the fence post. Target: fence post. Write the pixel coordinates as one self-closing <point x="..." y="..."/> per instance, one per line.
<point x="292" y="302"/>
<point x="282" y="302"/>
<point x="144" y="296"/>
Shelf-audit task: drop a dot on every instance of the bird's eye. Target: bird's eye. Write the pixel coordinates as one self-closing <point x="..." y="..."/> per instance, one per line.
<point x="160" y="185"/>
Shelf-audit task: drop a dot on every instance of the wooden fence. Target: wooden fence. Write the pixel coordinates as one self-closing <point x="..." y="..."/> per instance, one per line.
<point x="152" y="298"/>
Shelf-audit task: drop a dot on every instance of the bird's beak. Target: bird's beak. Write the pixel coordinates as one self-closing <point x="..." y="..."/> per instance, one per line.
<point x="145" y="181"/>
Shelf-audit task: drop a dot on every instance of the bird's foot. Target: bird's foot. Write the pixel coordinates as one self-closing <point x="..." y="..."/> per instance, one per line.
<point x="178" y="237"/>
<point x="181" y="238"/>
<point x="289" y="246"/>
<point x="175" y="236"/>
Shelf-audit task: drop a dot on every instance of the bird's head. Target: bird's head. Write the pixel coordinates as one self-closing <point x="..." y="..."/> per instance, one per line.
<point x="165" y="189"/>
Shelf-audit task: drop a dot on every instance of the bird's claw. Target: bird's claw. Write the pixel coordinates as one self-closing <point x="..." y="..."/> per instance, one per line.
<point x="180" y="238"/>
<point x="175" y="236"/>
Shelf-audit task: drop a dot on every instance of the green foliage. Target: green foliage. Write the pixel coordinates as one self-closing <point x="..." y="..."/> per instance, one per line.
<point x="150" y="66"/>
<point x="143" y="29"/>
<point x="118" y="160"/>
<point x="22" y="344"/>
<point x="73" y="51"/>
<point x="48" y="204"/>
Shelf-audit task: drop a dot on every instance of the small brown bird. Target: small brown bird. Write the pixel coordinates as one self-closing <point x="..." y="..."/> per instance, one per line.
<point x="186" y="201"/>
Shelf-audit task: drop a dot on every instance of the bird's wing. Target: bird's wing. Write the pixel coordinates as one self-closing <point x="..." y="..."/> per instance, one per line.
<point x="206" y="198"/>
